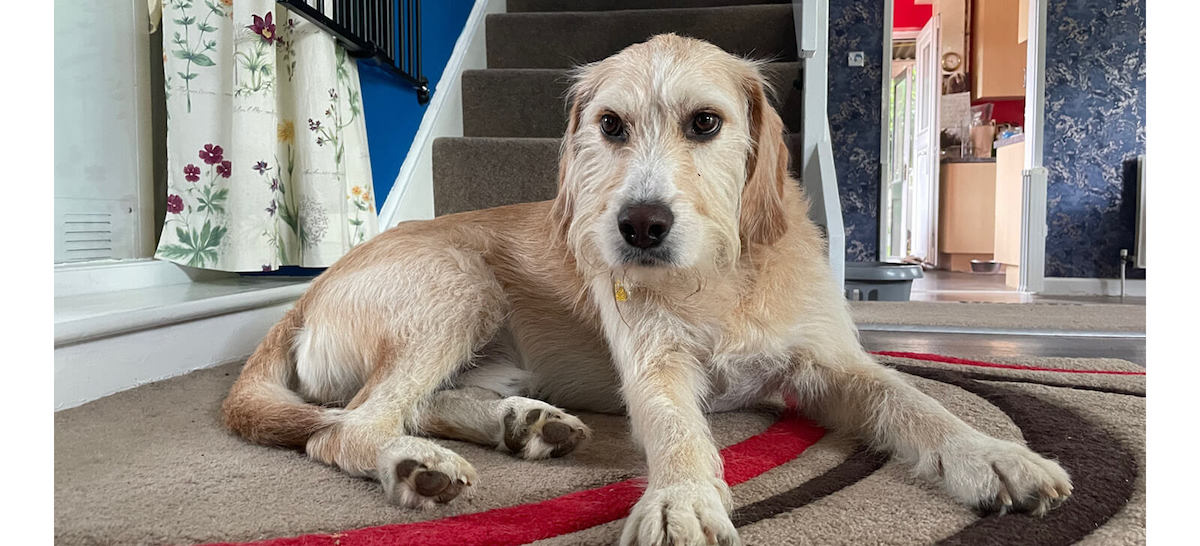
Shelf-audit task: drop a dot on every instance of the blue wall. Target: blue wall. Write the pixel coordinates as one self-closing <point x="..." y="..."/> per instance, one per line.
<point x="390" y="104"/>
<point x="1095" y="124"/>
<point x="855" y="98"/>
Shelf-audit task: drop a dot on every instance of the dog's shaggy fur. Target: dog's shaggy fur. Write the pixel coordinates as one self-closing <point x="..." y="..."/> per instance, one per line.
<point x="443" y="327"/>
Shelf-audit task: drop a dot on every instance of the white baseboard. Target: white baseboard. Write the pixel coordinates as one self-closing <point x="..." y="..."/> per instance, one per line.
<point x="1080" y="286"/>
<point x="96" y="368"/>
<point x="411" y="197"/>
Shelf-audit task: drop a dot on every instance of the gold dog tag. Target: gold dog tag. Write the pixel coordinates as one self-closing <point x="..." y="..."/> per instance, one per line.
<point x="619" y="292"/>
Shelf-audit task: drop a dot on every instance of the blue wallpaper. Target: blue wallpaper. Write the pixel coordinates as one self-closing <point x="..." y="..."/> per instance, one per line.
<point x="1095" y="126"/>
<point x="855" y="97"/>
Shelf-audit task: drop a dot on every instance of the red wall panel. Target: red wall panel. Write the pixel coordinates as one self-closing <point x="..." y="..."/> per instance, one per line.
<point x="909" y="16"/>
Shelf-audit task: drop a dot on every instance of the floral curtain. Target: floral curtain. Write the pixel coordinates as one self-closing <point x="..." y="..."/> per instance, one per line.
<point x="267" y="148"/>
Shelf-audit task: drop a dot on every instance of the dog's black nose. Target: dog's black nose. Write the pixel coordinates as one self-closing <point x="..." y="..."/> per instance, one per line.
<point x="645" y="225"/>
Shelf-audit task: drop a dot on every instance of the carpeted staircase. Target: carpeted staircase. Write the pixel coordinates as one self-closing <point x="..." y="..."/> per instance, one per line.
<point x="514" y="112"/>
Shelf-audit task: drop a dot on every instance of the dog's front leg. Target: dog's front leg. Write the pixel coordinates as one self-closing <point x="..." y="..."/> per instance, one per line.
<point x="686" y="500"/>
<point x="849" y="391"/>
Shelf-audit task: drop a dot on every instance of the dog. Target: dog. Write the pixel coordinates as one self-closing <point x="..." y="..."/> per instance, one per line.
<point x="675" y="273"/>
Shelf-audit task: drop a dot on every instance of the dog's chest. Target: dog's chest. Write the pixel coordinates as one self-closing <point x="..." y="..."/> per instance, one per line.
<point x="739" y="381"/>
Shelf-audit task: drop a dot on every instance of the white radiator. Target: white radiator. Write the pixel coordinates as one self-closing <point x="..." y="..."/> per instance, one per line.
<point x="1140" y="248"/>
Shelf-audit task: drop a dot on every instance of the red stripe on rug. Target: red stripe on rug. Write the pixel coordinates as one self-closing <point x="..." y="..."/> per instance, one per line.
<point x="521" y="524"/>
<point x="965" y="362"/>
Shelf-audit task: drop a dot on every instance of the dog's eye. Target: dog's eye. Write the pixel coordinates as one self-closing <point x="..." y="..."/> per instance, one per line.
<point x="705" y="124"/>
<point x="612" y="126"/>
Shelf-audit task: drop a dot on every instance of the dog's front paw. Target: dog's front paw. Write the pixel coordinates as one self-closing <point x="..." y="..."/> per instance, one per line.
<point x="997" y="476"/>
<point x="417" y="473"/>
<point x="682" y="514"/>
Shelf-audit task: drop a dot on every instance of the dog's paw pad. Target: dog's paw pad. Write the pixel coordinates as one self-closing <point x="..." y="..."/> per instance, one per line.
<point x="539" y="431"/>
<point x="432" y="484"/>
<point x="419" y="478"/>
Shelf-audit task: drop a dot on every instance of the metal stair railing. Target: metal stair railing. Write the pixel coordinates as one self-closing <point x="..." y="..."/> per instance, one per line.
<point x="387" y="32"/>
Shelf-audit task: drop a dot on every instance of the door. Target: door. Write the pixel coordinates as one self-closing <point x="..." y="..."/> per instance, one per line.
<point x="895" y="198"/>
<point x="926" y="145"/>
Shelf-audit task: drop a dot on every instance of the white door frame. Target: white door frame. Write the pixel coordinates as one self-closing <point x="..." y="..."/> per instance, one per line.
<point x="885" y="161"/>
<point x="1032" y="274"/>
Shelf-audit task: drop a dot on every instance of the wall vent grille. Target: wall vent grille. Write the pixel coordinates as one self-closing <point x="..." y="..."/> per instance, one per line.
<point x="87" y="236"/>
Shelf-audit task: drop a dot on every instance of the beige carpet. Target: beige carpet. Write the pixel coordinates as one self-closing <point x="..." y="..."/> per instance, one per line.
<point x="152" y="466"/>
<point x="1092" y="317"/>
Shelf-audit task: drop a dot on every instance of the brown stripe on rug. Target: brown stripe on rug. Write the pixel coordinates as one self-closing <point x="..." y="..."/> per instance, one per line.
<point x="861" y="464"/>
<point x="1033" y="381"/>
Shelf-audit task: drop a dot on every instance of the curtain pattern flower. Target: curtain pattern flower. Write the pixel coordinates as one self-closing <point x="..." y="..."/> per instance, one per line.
<point x="246" y="191"/>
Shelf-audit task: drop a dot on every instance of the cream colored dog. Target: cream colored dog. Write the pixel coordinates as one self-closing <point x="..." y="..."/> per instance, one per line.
<point x="676" y="273"/>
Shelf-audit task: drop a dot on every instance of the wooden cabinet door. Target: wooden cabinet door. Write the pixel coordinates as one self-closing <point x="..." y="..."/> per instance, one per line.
<point x="1010" y="165"/>
<point x="968" y="208"/>
<point x="997" y="57"/>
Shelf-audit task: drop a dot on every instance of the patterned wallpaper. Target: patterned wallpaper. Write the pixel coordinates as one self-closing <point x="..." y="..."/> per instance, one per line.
<point x="1095" y="126"/>
<point x="855" y="97"/>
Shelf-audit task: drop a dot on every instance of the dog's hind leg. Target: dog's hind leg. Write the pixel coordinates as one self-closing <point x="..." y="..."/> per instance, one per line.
<point x="527" y="428"/>
<point x="442" y="307"/>
<point x="375" y="439"/>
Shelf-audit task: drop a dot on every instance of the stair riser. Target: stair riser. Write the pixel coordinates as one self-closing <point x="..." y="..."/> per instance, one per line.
<point x="566" y="39"/>
<point x="531" y="103"/>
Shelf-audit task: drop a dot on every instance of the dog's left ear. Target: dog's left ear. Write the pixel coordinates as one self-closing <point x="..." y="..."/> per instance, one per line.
<point x="763" y="219"/>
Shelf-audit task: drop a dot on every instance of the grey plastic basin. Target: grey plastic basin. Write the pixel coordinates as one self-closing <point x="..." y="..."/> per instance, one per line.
<point x="880" y="281"/>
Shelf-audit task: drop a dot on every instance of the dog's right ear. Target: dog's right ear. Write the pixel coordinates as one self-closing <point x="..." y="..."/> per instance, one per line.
<point x="563" y="209"/>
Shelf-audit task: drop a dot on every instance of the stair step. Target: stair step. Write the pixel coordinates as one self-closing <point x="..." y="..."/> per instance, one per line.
<point x="515" y="6"/>
<point x="529" y="102"/>
<point x="479" y="173"/>
<point x="471" y="173"/>
<point x="566" y="39"/>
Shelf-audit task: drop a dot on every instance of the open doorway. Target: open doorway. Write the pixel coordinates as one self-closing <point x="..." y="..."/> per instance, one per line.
<point x="952" y="190"/>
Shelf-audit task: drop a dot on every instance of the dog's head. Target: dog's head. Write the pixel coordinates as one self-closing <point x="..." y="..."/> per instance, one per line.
<point x="673" y="158"/>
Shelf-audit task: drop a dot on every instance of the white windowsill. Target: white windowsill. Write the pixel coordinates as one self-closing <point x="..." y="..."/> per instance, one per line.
<point x="120" y="324"/>
<point x="91" y="316"/>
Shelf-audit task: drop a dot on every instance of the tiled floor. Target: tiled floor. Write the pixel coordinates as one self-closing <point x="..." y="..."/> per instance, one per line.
<point x="938" y="285"/>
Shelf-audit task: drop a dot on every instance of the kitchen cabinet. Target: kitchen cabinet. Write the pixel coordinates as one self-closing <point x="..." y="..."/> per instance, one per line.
<point x="1010" y="163"/>
<point x="997" y="57"/>
<point x="966" y="213"/>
